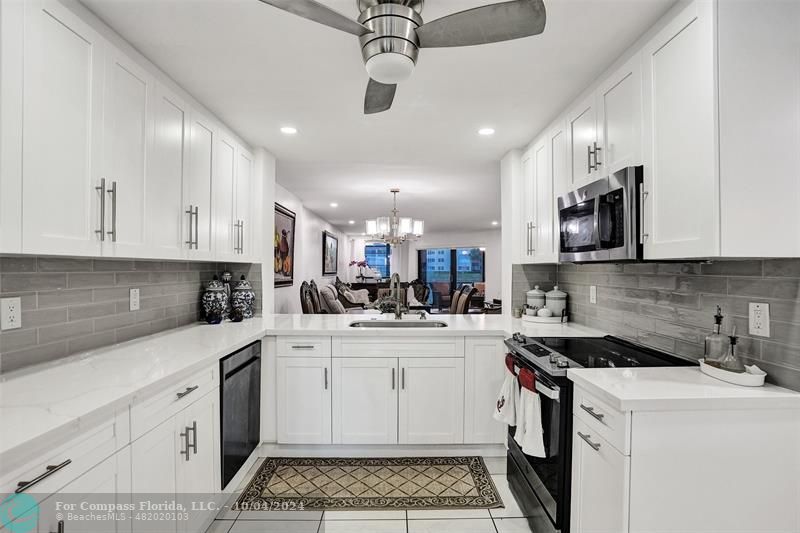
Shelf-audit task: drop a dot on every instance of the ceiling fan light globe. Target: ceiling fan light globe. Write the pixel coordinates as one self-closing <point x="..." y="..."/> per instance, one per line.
<point x="390" y="68"/>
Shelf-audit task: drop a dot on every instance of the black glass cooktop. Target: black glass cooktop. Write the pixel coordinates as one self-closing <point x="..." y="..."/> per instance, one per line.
<point x="605" y="352"/>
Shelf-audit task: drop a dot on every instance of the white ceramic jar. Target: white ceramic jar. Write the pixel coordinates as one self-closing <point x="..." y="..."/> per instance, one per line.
<point x="535" y="298"/>
<point x="556" y="301"/>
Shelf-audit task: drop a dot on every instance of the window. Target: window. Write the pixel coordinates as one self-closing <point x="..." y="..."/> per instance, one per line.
<point x="379" y="257"/>
<point x="447" y="269"/>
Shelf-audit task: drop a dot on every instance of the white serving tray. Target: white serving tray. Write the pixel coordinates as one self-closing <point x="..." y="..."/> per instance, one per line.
<point x="749" y="378"/>
<point x="545" y="319"/>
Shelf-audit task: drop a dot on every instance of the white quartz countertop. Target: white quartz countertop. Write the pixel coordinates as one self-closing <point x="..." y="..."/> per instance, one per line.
<point x="676" y="388"/>
<point x="54" y="401"/>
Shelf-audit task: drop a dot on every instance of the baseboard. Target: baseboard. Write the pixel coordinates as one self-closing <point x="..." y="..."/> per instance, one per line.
<point x="378" y="450"/>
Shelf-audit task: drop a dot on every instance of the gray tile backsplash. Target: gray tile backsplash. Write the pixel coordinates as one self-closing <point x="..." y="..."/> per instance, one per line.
<point x="70" y="305"/>
<point x="670" y="306"/>
<point x="525" y="277"/>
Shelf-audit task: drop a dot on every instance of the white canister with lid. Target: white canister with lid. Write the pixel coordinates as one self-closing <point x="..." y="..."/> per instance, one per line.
<point x="556" y="301"/>
<point x="535" y="297"/>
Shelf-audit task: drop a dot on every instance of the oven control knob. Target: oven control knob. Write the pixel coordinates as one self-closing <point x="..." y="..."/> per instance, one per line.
<point x="518" y="337"/>
<point x="562" y="363"/>
<point x="553" y="358"/>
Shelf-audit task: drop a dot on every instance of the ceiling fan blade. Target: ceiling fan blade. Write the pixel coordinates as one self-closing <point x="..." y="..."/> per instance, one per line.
<point x="379" y="97"/>
<point x="486" y="24"/>
<point x="313" y="10"/>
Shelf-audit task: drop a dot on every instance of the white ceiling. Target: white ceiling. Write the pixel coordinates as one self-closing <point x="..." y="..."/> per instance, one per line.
<point x="259" y="68"/>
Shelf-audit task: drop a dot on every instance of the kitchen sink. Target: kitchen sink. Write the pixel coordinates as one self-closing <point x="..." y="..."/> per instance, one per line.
<point x="398" y="324"/>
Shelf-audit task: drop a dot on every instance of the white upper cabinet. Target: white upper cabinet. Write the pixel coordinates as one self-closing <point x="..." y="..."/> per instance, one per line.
<point x="545" y="166"/>
<point x="681" y="180"/>
<point x="583" y="142"/>
<point x="103" y="159"/>
<point x="165" y="179"/>
<point x="759" y="107"/>
<point x="62" y="125"/>
<point x="619" y="106"/>
<point x="225" y="227"/>
<point x="528" y="206"/>
<point x="244" y="200"/>
<point x="198" y="204"/>
<point x="129" y="98"/>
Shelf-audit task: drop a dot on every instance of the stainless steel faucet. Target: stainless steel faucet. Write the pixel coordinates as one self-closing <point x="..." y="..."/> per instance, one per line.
<point x="394" y="289"/>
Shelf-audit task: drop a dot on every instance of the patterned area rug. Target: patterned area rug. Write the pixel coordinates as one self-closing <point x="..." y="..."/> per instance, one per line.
<point x="370" y="484"/>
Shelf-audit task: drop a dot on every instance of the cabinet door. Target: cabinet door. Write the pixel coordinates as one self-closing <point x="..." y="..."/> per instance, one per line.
<point x="544" y="251"/>
<point x="304" y="400"/>
<point x="528" y="207"/>
<point x="224" y="213"/>
<point x="244" y="202"/>
<point x="600" y="483"/>
<point x="198" y="183"/>
<point x="619" y="109"/>
<point x="62" y="125"/>
<point x="582" y="132"/>
<point x="127" y="143"/>
<point x="484" y="368"/>
<point x="681" y="182"/>
<point x="550" y="229"/>
<point x="365" y="400"/>
<point x="431" y="401"/>
<point x="165" y="179"/>
<point x="107" y="483"/>
<point x="153" y="460"/>
<point x="198" y="463"/>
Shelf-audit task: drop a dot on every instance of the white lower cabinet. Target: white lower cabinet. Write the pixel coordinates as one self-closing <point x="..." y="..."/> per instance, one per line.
<point x="365" y="400"/>
<point x="179" y="457"/>
<point x="431" y="400"/>
<point x="600" y="480"/>
<point x="107" y="483"/>
<point x="484" y="371"/>
<point x="304" y="400"/>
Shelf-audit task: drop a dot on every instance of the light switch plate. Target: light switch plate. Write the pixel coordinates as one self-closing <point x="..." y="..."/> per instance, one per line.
<point x="10" y="313"/>
<point x="593" y="294"/>
<point x="134" y="300"/>
<point x="759" y="319"/>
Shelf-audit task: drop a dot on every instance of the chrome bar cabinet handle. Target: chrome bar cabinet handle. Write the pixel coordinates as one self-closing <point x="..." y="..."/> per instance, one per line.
<point x="241" y="236"/>
<point x="196" y="227"/>
<point x="642" y="197"/>
<point x="597" y="416"/>
<point x="102" y="190"/>
<point x="22" y="486"/>
<point x="190" y="212"/>
<point x="403" y="378"/>
<point x="393" y="381"/>
<point x="187" y="392"/>
<point x="326" y="378"/>
<point x="302" y="347"/>
<point x="113" y="192"/>
<point x="594" y="445"/>
<point x="193" y="445"/>
<point x="185" y="436"/>
<point x="589" y="166"/>
<point x="59" y="527"/>
<point x="596" y="152"/>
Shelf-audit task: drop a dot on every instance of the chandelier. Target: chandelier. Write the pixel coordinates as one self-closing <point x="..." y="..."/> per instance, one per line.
<point x="394" y="229"/>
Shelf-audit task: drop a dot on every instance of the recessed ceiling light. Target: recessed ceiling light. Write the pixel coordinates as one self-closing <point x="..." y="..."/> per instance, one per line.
<point x="486" y="131"/>
<point x="351" y="222"/>
<point x="334" y="204"/>
<point x="494" y="222"/>
<point x="288" y="130"/>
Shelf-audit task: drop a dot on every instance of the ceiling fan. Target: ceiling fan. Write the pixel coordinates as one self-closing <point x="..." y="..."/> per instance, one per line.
<point x="391" y="32"/>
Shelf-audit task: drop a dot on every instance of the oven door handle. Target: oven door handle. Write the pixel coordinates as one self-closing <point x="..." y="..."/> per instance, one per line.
<point x="553" y="394"/>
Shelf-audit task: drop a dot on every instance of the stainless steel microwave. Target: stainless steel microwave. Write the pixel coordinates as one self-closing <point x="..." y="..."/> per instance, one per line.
<point x="602" y="220"/>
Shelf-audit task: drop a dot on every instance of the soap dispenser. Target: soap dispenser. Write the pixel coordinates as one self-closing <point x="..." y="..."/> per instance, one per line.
<point x="717" y="344"/>
<point x="731" y="361"/>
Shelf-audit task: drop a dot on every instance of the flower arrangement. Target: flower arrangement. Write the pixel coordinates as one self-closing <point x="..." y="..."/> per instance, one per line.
<point x="360" y="264"/>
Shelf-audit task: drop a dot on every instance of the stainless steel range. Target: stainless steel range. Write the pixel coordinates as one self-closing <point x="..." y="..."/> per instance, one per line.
<point x="541" y="485"/>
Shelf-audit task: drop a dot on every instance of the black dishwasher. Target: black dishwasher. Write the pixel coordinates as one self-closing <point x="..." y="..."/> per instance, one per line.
<point x="240" y="407"/>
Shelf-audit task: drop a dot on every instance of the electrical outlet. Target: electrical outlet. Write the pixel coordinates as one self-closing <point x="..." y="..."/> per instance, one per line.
<point x="759" y="319"/>
<point x="134" y="300"/>
<point x="593" y="294"/>
<point x="10" y="313"/>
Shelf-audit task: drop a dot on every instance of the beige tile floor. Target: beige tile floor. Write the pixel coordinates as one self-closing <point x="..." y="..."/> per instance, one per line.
<point x="509" y="519"/>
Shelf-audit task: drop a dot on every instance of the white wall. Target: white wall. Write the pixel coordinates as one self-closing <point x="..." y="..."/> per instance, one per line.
<point x="489" y="239"/>
<point x="307" y="253"/>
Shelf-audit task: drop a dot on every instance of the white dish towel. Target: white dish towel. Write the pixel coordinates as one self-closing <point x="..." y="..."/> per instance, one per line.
<point x="506" y="406"/>
<point x="529" y="434"/>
